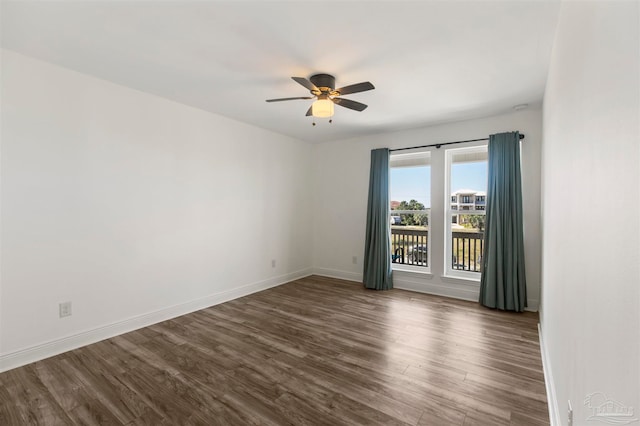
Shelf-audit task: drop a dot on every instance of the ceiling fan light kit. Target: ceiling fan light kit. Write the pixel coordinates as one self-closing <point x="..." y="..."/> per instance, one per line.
<point x="322" y="108"/>
<point x="322" y="87"/>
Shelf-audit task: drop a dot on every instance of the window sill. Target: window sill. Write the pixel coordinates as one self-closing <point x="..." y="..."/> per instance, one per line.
<point x="418" y="271"/>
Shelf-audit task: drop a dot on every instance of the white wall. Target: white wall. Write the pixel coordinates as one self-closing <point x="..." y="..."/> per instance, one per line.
<point x="135" y="208"/>
<point x="590" y="318"/>
<point x="341" y="179"/>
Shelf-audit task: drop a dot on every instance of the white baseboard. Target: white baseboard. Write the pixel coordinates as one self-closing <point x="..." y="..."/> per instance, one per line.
<point x="552" y="401"/>
<point x="402" y="283"/>
<point x="421" y="283"/>
<point x="447" y="290"/>
<point x="333" y="273"/>
<point x="432" y="284"/>
<point x="18" y="358"/>
<point x="532" y="305"/>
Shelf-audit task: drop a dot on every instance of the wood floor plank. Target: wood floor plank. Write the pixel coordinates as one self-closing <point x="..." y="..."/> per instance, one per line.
<point x="316" y="351"/>
<point x="334" y="405"/>
<point x="30" y="398"/>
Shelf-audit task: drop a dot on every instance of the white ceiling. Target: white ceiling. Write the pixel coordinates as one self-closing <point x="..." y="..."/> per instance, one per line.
<point x="430" y="61"/>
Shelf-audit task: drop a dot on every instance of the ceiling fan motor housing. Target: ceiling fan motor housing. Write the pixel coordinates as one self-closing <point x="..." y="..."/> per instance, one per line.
<point x="324" y="82"/>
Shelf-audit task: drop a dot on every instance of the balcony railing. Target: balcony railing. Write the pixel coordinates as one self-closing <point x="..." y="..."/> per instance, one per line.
<point x="409" y="247"/>
<point x="468" y="248"/>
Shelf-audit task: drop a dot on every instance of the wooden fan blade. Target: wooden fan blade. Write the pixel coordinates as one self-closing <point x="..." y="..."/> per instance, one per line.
<point x="306" y="83"/>
<point x="347" y="103"/>
<point x="309" y="112"/>
<point x="289" y="99"/>
<point x="355" y="88"/>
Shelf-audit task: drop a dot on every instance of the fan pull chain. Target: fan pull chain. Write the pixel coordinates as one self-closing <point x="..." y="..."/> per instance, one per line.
<point x="314" y="121"/>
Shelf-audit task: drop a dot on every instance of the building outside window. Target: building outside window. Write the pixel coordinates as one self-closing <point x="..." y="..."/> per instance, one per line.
<point x="469" y="200"/>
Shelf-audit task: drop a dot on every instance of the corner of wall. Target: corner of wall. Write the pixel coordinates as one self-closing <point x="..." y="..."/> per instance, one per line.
<point x="552" y="401"/>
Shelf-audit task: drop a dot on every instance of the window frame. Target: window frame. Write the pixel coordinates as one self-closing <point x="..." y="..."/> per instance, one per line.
<point x="404" y="266"/>
<point x="448" y="270"/>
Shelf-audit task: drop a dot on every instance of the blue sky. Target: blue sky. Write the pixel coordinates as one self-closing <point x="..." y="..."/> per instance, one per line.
<point x="415" y="182"/>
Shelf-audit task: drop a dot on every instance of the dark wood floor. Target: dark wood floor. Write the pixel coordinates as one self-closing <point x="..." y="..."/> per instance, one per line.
<point x="315" y="351"/>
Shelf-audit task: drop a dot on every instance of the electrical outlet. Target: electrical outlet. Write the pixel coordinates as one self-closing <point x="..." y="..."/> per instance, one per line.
<point x="273" y="263"/>
<point x="354" y="260"/>
<point x="569" y="414"/>
<point x="64" y="309"/>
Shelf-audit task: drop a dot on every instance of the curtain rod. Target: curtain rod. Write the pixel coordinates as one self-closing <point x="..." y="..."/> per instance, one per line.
<point x="438" y="145"/>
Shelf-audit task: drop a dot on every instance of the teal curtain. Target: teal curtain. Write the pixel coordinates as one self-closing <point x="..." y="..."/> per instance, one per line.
<point x="502" y="284"/>
<point x="377" y="249"/>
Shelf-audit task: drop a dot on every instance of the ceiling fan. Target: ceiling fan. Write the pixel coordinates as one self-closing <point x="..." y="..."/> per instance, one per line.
<point x="322" y="87"/>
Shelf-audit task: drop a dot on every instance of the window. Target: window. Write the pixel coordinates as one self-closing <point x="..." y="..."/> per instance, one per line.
<point x="464" y="182"/>
<point x="464" y="240"/>
<point x="410" y="204"/>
